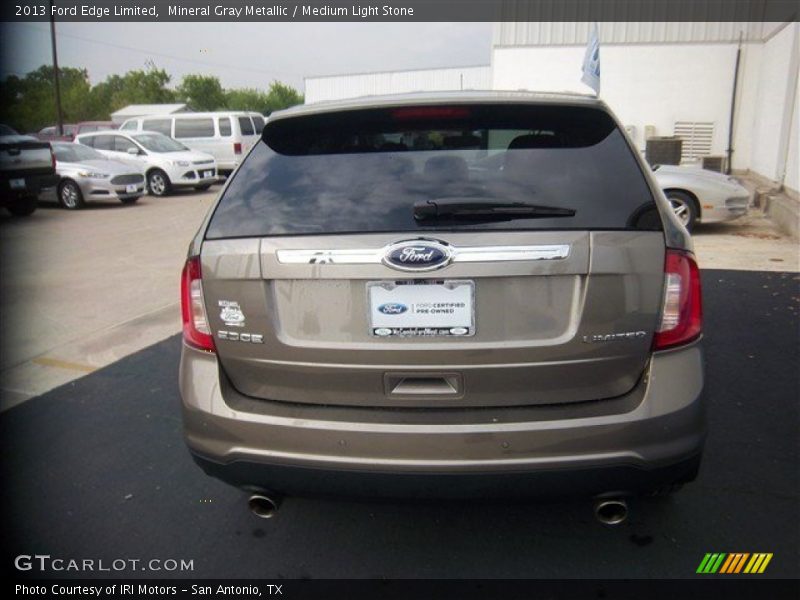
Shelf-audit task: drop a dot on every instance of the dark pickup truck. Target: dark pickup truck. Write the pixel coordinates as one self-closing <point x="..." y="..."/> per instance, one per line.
<point x="26" y="166"/>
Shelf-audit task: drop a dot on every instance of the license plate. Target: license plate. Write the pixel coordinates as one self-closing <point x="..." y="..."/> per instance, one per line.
<point x="208" y="174"/>
<point x="17" y="184"/>
<point x="130" y="189"/>
<point x="421" y="309"/>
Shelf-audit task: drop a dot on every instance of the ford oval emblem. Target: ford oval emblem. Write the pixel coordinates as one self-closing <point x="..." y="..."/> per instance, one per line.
<point x="392" y="308"/>
<point x="417" y="255"/>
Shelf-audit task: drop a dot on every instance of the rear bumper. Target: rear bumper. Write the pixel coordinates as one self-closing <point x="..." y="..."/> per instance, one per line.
<point x="651" y="436"/>
<point x="32" y="186"/>
<point x="603" y="480"/>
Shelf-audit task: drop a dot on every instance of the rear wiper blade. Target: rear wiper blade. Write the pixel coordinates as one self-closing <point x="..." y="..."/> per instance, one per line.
<point x="465" y="208"/>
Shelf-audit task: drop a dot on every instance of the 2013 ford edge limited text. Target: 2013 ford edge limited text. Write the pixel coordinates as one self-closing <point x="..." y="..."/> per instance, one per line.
<point x="461" y="294"/>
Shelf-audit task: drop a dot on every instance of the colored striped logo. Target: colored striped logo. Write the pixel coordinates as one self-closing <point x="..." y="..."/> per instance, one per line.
<point x="737" y="562"/>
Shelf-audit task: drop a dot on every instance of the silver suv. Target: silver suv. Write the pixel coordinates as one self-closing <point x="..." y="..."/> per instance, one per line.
<point x="462" y="294"/>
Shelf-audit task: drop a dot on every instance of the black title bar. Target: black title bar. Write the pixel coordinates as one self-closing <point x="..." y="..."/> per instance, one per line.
<point x="400" y="10"/>
<point x="732" y="588"/>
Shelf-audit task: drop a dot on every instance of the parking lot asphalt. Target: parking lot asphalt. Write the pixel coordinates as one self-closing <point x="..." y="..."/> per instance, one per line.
<point x="81" y="289"/>
<point x="97" y="469"/>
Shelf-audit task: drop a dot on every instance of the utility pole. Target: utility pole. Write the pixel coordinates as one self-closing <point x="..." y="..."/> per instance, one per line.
<point x="59" y="116"/>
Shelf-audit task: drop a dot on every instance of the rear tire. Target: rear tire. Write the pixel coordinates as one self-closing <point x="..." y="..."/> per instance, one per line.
<point x="70" y="196"/>
<point x="22" y="206"/>
<point x="158" y="184"/>
<point x="684" y="207"/>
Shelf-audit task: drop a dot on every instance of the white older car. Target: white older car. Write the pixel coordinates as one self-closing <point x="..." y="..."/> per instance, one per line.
<point x="701" y="196"/>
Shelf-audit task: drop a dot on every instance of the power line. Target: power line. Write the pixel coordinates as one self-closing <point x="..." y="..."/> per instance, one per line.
<point x="165" y="55"/>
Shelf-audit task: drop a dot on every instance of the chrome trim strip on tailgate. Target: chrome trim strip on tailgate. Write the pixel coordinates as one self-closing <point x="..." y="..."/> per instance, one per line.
<point x="467" y="254"/>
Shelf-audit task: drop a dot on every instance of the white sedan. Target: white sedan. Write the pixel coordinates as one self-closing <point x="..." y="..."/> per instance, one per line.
<point x="167" y="164"/>
<point x="701" y="196"/>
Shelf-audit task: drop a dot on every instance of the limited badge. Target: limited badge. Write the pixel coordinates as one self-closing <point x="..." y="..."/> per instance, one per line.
<point x="231" y="313"/>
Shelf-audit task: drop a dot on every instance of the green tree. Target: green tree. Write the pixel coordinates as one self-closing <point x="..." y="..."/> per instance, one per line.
<point x="100" y="97"/>
<point x="246" y="99"/>
<point x="28" y="103"/>
<point x="201" y="92"/>
<point x="281" y="96"/>
<point x="145" y="86"/>
<point x="278" y="97"/>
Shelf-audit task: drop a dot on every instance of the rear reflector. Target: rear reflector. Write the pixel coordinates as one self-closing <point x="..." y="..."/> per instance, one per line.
<point x="682" y="311"/>
<point x="196" y="331"/>
<point x="237" y="148"/>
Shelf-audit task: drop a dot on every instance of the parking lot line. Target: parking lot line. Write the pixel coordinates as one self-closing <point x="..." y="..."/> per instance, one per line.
<point x="63" y="364"/>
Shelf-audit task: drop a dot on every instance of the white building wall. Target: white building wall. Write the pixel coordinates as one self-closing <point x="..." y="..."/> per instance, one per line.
<point x="646" y="84"/>
<point x="319" y="89"/>
<point x="743" y="127"/>
<point x="793" y="159"/>
<point x="774" y="105"/>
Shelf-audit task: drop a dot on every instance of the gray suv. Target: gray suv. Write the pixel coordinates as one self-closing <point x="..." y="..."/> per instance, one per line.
<point x="460" y="294"/>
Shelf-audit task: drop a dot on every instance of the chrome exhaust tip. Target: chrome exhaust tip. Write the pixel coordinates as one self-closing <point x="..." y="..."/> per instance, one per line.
<point x="611" y="511"/>
<point x="262" y="506"/>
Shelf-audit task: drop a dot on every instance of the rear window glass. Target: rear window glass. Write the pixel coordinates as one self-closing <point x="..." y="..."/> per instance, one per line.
<point x="194" y="128"/>
<point x="258" y="122"/>
<point x="163" y="126"/>
<point x="382" y="170"/>
<point x="246" y="125"/>
<point x="225" y="126"/>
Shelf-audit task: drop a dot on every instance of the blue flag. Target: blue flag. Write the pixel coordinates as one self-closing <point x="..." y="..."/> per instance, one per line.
<point x="591" y="62"/>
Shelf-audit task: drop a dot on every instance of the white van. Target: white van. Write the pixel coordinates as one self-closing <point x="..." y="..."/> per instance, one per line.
<point x="227" y="135"/>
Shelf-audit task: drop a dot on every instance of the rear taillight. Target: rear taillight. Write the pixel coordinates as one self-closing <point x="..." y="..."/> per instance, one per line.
<point x="237" y="148"/>
<point x="52" y="158"/>
<point x="196" y="331"/>
<point x="682" y="312"/>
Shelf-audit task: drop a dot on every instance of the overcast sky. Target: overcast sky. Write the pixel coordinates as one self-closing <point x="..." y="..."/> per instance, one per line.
<point x="246" y="54"/>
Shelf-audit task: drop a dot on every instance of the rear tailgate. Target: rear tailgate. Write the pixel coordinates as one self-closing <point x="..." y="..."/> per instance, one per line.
<point x="21" y="156"/>
<point x="540" y="325"/>
<point x="558" y="310"/>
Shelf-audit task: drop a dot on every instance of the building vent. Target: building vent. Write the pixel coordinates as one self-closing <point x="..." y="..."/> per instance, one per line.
<point x="697" y="137"/>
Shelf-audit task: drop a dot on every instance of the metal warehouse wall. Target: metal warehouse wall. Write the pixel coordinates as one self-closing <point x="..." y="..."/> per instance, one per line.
<point x="577" y="33"/>
<point x="319" y="89"/>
